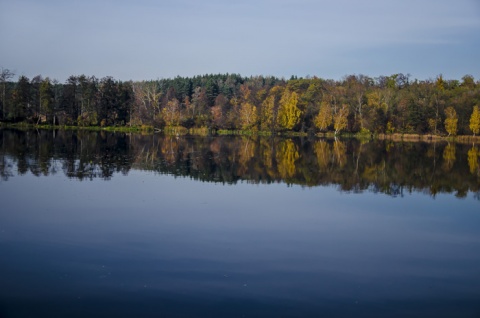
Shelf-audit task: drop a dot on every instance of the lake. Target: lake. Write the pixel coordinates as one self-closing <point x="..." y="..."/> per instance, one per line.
<point x="96" y="224"/>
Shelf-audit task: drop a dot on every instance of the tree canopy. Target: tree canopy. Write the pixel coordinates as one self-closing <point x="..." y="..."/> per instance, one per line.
<point x="385" y="104"/>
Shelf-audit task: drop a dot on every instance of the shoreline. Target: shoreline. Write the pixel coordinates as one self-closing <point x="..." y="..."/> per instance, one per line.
<point x="204" y="131"/>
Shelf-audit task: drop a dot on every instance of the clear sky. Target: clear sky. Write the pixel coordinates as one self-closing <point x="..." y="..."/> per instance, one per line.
<point x="147" y="39"/>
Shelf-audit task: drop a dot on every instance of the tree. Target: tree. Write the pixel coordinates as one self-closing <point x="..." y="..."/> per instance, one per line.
<point x="171" y="113"/>
<point x="248" y="115"/>
<point x="324" y="117"/>
<point x="46" y="100"/>
<point x="288" y="112"/>
<point x="21" y="99"/>
<point x="475" y="121"/>
<point x="108" y="101"/>
<point x="199" y="106"/>
<point x="340" y="119"/>
<point x="70" y="99"/>
<point x="451" y="121"/>
<point x="267" y="116"/>
<point x="5" y="75"/>
<point x="269" y="109"/>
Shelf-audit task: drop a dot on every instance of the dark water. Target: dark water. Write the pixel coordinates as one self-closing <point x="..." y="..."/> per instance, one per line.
<point x="100" y="224"/>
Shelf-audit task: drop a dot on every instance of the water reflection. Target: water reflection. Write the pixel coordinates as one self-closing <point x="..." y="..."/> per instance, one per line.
<point x="150" y="245"/>
<point x="377" y="166"/>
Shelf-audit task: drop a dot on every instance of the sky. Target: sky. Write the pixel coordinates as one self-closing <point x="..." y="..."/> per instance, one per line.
<point x="147" y="39"/>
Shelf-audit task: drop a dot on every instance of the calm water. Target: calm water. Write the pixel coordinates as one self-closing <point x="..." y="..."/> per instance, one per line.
<point x="99" y="224"/>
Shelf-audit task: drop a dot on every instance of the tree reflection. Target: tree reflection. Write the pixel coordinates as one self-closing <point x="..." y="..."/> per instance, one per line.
<point x="473" y="156"/>
<point x="287" y="154"/>
<point x="391" y="168"/>
<point x="449" y="156"/>
<point x="324" y="154"/>
<point x="340" y="151"/>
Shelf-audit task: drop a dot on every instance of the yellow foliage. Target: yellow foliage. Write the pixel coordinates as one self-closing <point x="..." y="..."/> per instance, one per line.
<point x="267" y="116"/>
<point x="324" y="116"/>
<point x="289" y="114"/>
<point x="451" y="121"/>
<point x="171" y="113"/>
<point x="449" y="156"/>
<point x="248" y="115"/>
<point x="323" y="151"/>
<point x="340" y="119"/>
<point x="287" y="154"/>
<point x="340" y="151"/>
<point x="473" y="155"/>
<point x="475" y="121"/>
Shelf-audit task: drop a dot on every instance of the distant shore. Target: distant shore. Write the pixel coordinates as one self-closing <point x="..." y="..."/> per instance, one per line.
<point x="182" y="131"/>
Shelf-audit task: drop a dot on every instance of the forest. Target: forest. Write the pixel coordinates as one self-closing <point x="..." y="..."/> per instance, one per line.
<point x="312" y="105"/>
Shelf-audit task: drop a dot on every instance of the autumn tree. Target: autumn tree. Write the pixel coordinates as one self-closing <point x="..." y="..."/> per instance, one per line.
<point x="324" y="117"/>
<point x="171" y="113"/>
<point x="199" y="106"/>
<point x="248" y="115"/>
<point x="288" y="112"/>
<point x="451" y="121"/>
<point x="267" y="114"/>
<point x="269" y="109"/>
<point x="376" y="111"/>
<point x="219" y="110"/>
<point x="475" y="121"/>
<point x="340" y="119"/>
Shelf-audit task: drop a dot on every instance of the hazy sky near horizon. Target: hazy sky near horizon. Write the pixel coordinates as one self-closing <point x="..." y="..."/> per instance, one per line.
<point x="147" y="39"/>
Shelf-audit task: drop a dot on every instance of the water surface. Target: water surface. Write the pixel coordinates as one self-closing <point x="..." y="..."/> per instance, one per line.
<point x="97" y="224"/>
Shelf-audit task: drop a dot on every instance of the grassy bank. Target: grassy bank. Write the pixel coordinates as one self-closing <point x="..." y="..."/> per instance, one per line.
<point x="138" y="129"/>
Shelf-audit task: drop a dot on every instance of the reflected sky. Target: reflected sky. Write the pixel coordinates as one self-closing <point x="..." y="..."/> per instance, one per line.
<point x="157" y="245"/>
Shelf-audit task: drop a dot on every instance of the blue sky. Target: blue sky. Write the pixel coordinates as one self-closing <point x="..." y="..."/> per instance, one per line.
<point x="146" y="39"/>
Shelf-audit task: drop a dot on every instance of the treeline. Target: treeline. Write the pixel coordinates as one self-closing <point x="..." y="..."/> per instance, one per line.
<point x="377" y="166"/>
<point x="357" y="103"/>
